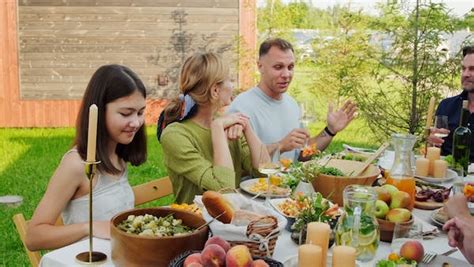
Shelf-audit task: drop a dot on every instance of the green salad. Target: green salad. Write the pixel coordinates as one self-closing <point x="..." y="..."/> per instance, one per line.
<point x="149" y="225"/>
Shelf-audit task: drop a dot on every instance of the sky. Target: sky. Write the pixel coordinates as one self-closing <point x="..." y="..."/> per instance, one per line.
<point x="458" y="7"/>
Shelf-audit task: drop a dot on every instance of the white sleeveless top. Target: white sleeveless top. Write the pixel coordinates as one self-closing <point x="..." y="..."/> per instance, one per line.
<point x="110" y="196"/>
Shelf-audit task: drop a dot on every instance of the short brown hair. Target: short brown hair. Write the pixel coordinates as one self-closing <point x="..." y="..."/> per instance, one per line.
<point x="278" y="42"/>
<point x="467" y="50"/>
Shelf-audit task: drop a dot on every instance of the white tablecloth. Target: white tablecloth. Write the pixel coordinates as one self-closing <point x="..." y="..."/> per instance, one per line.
<point x="285" y="247"/>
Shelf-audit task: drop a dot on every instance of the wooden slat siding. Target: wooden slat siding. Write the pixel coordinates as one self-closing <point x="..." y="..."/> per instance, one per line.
<point x="14" y="112"/>
<point x="143" y="3"/>
<point x="248" y="35"/>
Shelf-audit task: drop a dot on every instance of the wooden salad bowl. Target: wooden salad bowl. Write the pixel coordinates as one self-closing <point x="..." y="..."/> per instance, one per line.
<point x="134" y="250"/>
<point x="332" y="187"/>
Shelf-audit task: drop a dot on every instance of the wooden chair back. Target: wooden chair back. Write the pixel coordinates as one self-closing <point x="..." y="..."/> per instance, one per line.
<point x="152" y="190"/>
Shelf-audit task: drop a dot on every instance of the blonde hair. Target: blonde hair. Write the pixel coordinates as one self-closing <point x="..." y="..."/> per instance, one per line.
<point x="199" y="74"/>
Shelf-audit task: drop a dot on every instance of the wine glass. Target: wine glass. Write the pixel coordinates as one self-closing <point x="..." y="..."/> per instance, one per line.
<point x="441" y="122"/>
<point x="269" y="165"/>
<point x="306" y="118"/>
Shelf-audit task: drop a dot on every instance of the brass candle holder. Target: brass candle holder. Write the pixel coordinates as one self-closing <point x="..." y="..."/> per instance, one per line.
<point x="91" y="257"/>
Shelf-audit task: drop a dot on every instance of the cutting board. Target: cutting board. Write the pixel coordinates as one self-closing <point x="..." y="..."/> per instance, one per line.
<point x="428" y="205"/>
<point x="440" y="260"/>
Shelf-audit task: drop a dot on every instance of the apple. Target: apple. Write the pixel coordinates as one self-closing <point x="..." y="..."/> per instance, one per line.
<point x="391" y="188"/>
<point x="398" y="215"/>
<point x="412" y="250"/>
<point x="400" y="199"/>
<point x="383" y="194"/>
<point x="381" y="209"/>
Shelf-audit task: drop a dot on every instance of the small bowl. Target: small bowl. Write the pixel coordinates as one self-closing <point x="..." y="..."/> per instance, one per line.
<point x="134" y="250"/>
<point x="387" y="228"/>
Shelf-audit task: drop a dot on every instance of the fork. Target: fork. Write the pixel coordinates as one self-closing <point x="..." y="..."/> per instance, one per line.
<point x="430" y="256"/>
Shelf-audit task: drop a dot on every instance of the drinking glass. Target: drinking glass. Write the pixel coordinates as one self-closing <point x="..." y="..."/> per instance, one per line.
<point x="306" y="118"/>
<point x="403" y="232"/>
<point x="269" y="165"/>
<point x="441" y="122"/>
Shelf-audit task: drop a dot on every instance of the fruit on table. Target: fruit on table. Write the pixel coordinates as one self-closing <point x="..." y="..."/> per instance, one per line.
<point x="398" y="215"/>
<point x="239" y="256"/>
<point x="383" y="194"/>
<point x="260" y="263"/>
<point x="195" y="264"/>
<point x="391" y="188"/>
<point x="218" y="241"/>
<point x="393" y="256"/>
<point x="213" y="256"/>
<point x="400" y="199"/>
<point x="193" y="258"/>
<point x="381" y="209"/>
<point x="412" y="250"/>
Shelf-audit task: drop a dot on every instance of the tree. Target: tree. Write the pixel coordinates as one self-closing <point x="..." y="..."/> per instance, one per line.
<point x="411" y="70"/>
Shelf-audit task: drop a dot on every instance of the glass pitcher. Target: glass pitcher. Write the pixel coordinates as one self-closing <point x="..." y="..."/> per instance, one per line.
<point x="358" y="227"/>
<point x="401" y="173"/>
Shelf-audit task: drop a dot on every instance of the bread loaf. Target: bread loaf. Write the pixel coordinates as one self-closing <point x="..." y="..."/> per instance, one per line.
<point x="216" y="204"/>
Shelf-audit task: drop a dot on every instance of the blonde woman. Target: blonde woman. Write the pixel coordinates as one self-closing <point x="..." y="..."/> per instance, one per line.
<point x="203" y="151"/>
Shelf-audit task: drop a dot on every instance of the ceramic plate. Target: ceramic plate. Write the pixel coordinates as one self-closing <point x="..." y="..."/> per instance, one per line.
<point x="435" y="218"/>
<point x="247" y="185"/>
<point x="450" y="174"/>
<point x="293" y="261"/>
<point x="276" y="202"/>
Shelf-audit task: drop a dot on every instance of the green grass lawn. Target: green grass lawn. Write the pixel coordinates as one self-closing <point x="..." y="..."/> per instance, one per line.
<point x="30" y="156"/>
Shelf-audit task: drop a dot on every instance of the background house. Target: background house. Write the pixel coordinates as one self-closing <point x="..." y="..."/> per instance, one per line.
<point x="50" y="48"/>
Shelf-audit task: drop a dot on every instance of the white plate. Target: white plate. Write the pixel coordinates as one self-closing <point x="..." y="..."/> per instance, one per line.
<point x="247" y="184"/>
<point x="435" y="220"/>
<point x="293" y="261"/>
<point x="277" y="201"/>
<point x="450" y="174"/>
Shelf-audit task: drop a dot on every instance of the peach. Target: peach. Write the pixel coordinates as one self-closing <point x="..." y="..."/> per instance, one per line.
<point x="383" y="194"/>
<point x="218" y="241"/>
<point x="412" y="250"/>
<point x="239" y="256"/>
<point x="260" y="263"/>
<point x="193" y="258"/>
<point x="398" y="215"/>
<point x="195" y="264"/>
<point x="213" y="256"/>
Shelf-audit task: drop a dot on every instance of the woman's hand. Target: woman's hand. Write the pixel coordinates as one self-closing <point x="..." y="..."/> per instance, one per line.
<point x="101" y="229"/>
<point x="433" y="139"/>
<point x="232" y="119"/>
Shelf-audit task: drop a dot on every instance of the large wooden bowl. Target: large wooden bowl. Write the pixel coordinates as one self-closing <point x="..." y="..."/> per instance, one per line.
<point x="332" y="187"/>
<point x="387" y="228"/>
<point x="133" y="250"/>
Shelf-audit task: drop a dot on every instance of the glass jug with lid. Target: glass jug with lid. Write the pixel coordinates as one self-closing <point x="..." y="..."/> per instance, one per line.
<point x="358" y="227"/>
<point x="401" y="173"/>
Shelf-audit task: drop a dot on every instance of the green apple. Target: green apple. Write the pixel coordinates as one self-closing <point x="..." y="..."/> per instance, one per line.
<point x="391" y="188"/>
<point x="398" y="215"/>
<point x="381" y="209"/>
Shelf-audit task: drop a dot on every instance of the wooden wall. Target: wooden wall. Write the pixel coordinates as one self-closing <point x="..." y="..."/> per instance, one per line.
<point x="49" y="55"/>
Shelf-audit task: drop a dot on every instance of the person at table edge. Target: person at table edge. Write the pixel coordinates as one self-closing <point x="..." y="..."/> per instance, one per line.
<point x="274" y="115"/>
<point x="201" y="149"/>
<point x="452" y="106"/>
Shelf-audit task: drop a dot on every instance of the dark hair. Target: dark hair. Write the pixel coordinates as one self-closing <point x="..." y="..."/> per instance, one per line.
<point x="278" y="42"/>
<point x="467" y="50"/>
<point x="108" y="83"/>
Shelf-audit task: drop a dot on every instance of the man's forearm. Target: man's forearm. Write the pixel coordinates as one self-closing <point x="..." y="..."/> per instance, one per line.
<point x="323" y="139"/>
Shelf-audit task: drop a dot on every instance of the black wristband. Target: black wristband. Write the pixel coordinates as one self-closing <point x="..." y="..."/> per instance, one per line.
<point x="326" y="129"/>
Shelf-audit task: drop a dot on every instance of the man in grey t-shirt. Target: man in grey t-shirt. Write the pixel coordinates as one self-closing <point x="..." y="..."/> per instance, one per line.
<point x="274" y="115"/>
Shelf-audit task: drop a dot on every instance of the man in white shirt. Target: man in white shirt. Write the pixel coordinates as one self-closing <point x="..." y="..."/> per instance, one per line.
<point x="274" y="115"/>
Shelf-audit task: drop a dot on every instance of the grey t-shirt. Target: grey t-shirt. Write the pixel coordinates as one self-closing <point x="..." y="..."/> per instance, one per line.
<point x="271" y="119"/>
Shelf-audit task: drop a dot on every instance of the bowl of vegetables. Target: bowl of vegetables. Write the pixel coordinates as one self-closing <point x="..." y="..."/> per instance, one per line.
<point x="154" y="236"/>
<point x="336" y="174"/>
